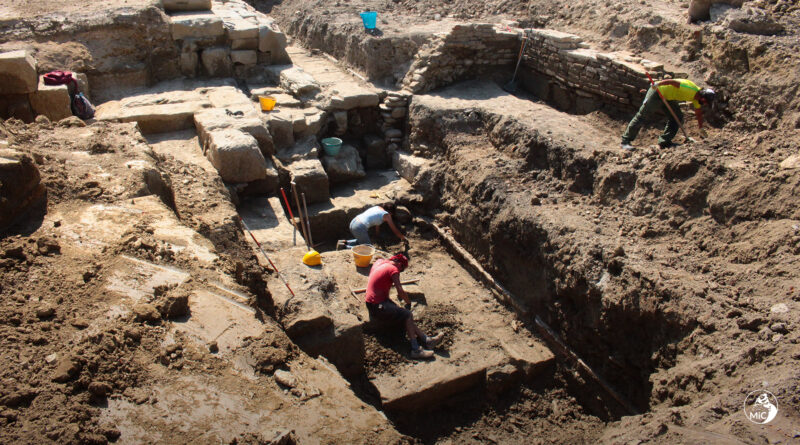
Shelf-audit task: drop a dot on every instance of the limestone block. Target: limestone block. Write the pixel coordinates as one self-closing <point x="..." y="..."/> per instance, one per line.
<point x="282" y="130"/>
<point x="315" y="119"/>
<point x="377" y="156"/>
<point x="159" y="118"/>
<point x="408" y="166"/>
<point x="298" y="82"/>
<point x="21" y="185"/>
<point x="186" y="5"/>
<point x="271" y="40"/>
<point x="398" y="113"/>
<point x="241" y="29"/>
<point x="227" y="96"/>
<point x="184" y="25"/>
<point x="217" y="61"/>
<point x="17" y="106"/>
<point x="244" y="57"/>
<point x="236" y="156"/>
<point x="344" y="167"/>
<point x="308" y="148"/>
<point x="189" y="58"/>
<point x="52" y="101"/>
<point x="17" y="73"/>
<point x="244" y="44"/>
<point x="348" y="96"/>
<point x="311" y="179"/>
<point x="249" y="121"/>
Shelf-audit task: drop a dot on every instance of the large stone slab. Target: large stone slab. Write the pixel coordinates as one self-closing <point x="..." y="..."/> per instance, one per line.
<point x="241" y="29"/>
<point x="408" y="166"/>
<point x="52" y="101"/>
<point x="198" y="25"/>
<point x="344" y="167"/>
<point x="17" y="73"/>
<point x="244" y="57"/>
<point x="349" y="95"/>
<point x="248" y="121"/>
<point x="21" y="185"/>
<point x="236" y="156"/>
<point x="156" y="118"/>
<point x="281" y="127"/>
<point x="186" y="5"/>
<point x="297" y="81"/>
<point x="273" y="42"/>
<point x="311" y="179"/>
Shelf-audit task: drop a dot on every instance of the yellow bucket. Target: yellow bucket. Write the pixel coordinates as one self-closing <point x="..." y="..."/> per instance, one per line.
<point x="362" y="255"/>
<point x="267" y="103"/>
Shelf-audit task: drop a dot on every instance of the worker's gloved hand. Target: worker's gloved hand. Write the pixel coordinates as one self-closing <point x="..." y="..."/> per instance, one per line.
<point x="703" y="133"/>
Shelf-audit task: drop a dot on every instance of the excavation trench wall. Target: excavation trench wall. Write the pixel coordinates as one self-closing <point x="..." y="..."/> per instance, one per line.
<point x="614" y="315"/>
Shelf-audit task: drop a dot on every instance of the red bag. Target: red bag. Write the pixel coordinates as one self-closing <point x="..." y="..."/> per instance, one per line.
<point x="60" y="78"/>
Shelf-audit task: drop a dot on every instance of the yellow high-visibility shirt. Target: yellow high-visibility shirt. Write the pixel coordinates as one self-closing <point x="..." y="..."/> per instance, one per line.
<point x="683" y="93"/>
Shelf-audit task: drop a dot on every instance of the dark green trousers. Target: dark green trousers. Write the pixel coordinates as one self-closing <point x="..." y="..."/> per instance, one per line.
<point x="652" y="103"/>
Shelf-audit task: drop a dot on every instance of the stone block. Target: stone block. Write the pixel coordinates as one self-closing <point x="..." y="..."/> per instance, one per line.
<point x="315" y="119"/>
<point x="217" y="61"/>
<point x="241" y="29"/>
<point x="271" y="40"/>
<point x="377" y="156"/>
<point x="244" y="44"/>
<point x="199" y="25"/>
<point x="298" y="82"/>
<point x="52" y="101"/>
<point x="155" y="118"/>
<point x="408" y="166"/>
<point x="214" y="119"/>
<point x="348" y="96"/>
<point x="17" y="73"/>
<point x="21" y="185"/>
<point x="341" y="122"/>
<point x="282" y="130"/>
<point x="186" y="5"/>
<point x="344" y="167"/>
<point x="311" y="179"/>
<point x="244" y="57"/>
<point x="230" y="96"/>
<point x="17" y="106"/>
<point x="307" y="148"/>
<point x="236" y="156"/>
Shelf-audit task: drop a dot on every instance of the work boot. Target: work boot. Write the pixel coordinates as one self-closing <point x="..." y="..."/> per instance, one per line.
<point x="626" y="146"/>
<point x="421" y="354"/>
<point x="434" y="341"/>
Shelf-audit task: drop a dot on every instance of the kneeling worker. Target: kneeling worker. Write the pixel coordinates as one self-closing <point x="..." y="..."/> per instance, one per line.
<point x="384" y="273"/>
<point x="372" y="217"/>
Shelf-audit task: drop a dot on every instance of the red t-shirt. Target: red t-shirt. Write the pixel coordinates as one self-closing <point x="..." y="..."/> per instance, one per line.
<point x="381" y="277"/>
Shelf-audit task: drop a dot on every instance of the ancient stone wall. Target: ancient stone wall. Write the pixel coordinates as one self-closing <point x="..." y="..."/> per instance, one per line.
<point x="467" y="51"/>
<point x="560" y="68"/>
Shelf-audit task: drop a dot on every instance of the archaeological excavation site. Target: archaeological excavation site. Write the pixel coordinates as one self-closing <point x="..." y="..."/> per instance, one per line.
<point x="190" y="252"/>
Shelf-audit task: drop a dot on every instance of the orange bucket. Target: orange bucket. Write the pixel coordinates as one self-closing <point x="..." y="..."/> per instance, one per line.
<point x="362" y="255"/>
<point x="267" y="103"/>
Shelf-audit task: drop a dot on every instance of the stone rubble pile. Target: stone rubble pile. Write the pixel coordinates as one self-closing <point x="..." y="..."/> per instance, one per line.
<point x="224" y="37"/>
<point x="394" y="110"/>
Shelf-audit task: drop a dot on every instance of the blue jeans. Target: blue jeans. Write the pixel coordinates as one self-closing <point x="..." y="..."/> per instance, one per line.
<point x="360" y="231"/>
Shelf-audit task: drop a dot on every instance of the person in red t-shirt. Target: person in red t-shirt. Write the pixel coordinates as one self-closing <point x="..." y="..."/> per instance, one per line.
<point x="382" y="276"/>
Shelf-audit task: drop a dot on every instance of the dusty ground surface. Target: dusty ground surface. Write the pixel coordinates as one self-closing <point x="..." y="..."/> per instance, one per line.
<point x="700" y="241"/>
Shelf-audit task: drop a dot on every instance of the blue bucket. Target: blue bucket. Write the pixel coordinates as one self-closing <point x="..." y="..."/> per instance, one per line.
<point x="369" y="18"/>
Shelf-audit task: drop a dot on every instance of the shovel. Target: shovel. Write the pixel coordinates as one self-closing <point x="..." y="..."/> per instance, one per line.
<point x="511" y="87"/>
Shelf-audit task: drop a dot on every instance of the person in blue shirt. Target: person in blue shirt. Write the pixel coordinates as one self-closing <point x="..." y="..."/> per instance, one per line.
<point x="372" y="217"/>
